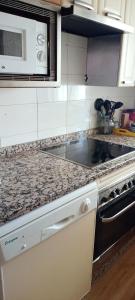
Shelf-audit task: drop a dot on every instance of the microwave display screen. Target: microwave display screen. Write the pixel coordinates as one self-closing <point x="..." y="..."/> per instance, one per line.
<point x="10" y="43"/>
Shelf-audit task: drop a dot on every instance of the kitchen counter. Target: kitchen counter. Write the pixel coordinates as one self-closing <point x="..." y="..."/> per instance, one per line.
<point x="31" y="179"/>
<point x="121" y="140"/>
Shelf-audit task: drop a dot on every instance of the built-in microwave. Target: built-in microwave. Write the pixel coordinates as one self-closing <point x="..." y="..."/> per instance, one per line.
<point x="29" y="43"/>
<point x="23" y="45"/>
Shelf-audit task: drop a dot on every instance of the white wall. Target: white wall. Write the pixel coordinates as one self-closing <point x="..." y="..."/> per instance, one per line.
<point x="30" y="114"/>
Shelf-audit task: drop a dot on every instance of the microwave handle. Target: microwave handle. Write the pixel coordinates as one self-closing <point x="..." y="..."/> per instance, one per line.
<point x="116" y="216"/>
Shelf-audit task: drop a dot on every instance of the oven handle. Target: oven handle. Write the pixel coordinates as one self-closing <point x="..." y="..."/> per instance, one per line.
<point x="121" y="212"/>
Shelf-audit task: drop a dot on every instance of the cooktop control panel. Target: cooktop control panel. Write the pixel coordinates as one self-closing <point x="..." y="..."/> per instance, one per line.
<point x="110" y="194"/>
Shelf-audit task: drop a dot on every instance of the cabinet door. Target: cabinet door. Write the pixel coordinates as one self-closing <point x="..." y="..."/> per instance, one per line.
<point x="91" y="4"/>
<point x="127" y="63"/>
<point x="112" y="8"/>
<point x="103" y="60"/>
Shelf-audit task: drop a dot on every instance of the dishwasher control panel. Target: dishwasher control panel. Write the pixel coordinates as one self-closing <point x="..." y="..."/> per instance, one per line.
<point x="24" y="238"/>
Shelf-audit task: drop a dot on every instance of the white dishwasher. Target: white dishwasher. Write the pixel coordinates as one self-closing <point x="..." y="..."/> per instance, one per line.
<point x="47" y="254"/>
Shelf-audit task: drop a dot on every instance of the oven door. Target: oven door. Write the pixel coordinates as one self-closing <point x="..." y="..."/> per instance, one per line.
<point x="17" y="44"/>
<point x="114" y="221"/>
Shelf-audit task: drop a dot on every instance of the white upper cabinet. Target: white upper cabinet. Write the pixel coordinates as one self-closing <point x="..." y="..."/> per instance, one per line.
<point x="127" y="64"/>
<point x="112" y="8"/>
<point x="91" y="4"/>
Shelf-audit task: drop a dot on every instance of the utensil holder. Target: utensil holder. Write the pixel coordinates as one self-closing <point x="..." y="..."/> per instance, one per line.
<point x="107" y="125"/>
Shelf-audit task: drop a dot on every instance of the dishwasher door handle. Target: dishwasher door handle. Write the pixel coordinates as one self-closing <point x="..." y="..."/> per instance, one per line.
<point x="116" y="216"/>
<point x="52" y="229"/>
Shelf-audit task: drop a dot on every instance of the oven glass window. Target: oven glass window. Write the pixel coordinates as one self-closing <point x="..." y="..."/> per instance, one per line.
<point x="10" y="43"/>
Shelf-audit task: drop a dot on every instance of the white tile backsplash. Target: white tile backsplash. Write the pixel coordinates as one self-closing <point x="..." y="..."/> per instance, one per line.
<point x="51" y="115"/>
<point x="77" y="91"/>
<point x="50" y="132"/>
<point x="53" y="94"/>
<point x="11" y="96"/>
<point x="29" y="114"/>
<point x="18" y="139"/>
<point x="111" y="92"/>
<point x="78" y="115"/>
<point x="17" y="120"/>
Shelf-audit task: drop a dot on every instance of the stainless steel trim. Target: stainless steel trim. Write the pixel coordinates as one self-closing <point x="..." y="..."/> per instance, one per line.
<point x="41" y="84"/>
<point x="113" y="181"/>
<point x="96" y="259"/>
<point x="103" y="253"/>
<point x="113" y="15"/>
<point x="58" y="83"/>
<point x="113" y="218"/>
<point x="124" y="193"/>
<point x="110" y="200"/>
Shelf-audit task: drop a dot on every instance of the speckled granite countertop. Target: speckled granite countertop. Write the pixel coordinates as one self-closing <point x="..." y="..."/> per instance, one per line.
<point x="30" y="179"/>
<point x="121" y="140"/>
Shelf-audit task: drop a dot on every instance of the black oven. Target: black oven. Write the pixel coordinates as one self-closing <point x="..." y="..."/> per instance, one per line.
<point x="114" y="218"/>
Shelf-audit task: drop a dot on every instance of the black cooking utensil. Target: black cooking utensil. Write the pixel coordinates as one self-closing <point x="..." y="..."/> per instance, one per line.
<point x="99" y="102"/>
<point x="107" y="106"/>
<point x="117" y="105"/>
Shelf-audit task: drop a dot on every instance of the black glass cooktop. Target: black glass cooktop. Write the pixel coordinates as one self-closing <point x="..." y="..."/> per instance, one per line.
<point x="89" y="152"/>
